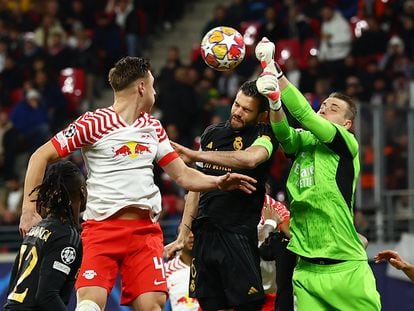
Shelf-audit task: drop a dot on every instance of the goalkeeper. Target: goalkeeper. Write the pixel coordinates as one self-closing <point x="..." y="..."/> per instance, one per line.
<point x="332" y="272"/>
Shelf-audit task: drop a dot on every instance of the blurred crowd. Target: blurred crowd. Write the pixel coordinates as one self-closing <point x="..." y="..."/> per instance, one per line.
<point x="54" y="60"/>
<point x="362" y="48"/>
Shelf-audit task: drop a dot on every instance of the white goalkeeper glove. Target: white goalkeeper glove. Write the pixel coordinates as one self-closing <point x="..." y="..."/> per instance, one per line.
<point x="265" y="53"/>
<point x="268" y="86"/>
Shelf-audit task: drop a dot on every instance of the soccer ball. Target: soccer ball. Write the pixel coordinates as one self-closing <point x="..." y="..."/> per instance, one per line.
<point x="222" y="48"/>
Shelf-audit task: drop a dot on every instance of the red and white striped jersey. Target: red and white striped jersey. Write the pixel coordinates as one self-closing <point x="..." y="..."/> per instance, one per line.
<point x="280" y="208"/>
<point x="177" y="274"/>
<point x="119" y="159"/>
<point x="268" y="268"/>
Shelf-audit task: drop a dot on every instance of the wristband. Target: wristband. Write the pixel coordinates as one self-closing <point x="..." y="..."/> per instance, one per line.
<point x="275" y="105"/>
<point x="271" y="222"/>
<point x="278" y="71"/>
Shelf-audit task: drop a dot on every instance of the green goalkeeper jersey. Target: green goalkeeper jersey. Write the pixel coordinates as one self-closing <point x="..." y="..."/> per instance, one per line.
<point x="321" y="184"/>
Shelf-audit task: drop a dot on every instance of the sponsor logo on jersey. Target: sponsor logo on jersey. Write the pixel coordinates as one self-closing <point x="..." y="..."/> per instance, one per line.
<point x="68" y="255"/>
<point x="61" y="267"/>
<point x="187" y="301"/>
<point x="131" y="149"/>
<point x="89" y="274"/>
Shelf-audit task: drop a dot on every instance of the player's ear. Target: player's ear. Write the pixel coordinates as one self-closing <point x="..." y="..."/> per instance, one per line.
<point x="141" y="87"/>
<point x="348" y="124"/>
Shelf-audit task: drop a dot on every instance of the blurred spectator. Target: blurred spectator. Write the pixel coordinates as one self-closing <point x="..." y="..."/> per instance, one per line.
<point x="5" y="126"/>
<point x="179" y="105"/>
<point x="52" y="99"/>
<point x="107" y="40"/>
<point x="50" y="25"/>
<point x="271" y="27"/>
<point x="58" y="53"/>
<point x="30" y="51"/>
<point x="84" y="57"/>
<point x="292" y="70"/>
<point x="335" y="41"/>
<point x="11" y="199"/>
<point x="236" y="13"/>
<point x="135" y="32"/>
<point x="77" y="15"/>
<point x="219" y="19"/>
<point x="309" y="76"/>
<point x="395" y="48"/>
<point x="166" y="75"/>
<point x="30" y="119"/>
<point x="372" y="42"/>
<point x="3" y="54"/>
<point x="228" y="84"/>
<point x="11" y="75"/>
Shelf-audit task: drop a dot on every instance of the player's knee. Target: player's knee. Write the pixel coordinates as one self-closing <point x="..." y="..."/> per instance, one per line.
<point x="87" y="305"/>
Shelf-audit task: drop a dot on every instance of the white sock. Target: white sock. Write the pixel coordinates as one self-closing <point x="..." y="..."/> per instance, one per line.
<point x="87" y="305"/>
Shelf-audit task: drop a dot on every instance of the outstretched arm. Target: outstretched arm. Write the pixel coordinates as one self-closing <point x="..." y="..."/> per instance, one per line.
<point x="190" y="212"/>
<point x="34" y="176"/>
<point x="396" y="261"/>
<point x="293" y="99"/>
<point x="194" y="180"/>
<point x="249" y="158"/>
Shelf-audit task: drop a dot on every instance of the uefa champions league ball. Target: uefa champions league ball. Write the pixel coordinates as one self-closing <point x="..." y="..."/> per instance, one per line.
<point x="223" y="48"/>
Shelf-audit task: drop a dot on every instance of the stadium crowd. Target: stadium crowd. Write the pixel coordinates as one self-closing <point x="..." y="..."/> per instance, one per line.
<point x="364" y="49"/>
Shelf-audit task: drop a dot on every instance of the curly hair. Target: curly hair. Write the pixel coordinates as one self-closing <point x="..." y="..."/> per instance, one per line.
<point x="61" y="184"/>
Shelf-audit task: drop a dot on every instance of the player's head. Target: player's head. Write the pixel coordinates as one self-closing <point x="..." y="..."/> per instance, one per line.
<point x="62" y="194"/>
<point x="249" y="106"/>
<point x="131" y="76"/>
<point x="339" y="108"/>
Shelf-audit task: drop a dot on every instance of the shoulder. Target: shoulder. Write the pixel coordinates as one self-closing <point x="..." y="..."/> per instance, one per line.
<point x="174" y="265"/>
<point x="214" y="128"/>
<point x="349" y="138"/>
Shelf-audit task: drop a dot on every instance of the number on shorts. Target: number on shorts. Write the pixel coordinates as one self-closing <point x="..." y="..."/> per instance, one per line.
<point x="29" y="264"/>
<point x="159" y="264"/>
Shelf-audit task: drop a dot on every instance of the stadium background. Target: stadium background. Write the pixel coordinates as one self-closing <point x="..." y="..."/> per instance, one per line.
<point x="57" y="53"/>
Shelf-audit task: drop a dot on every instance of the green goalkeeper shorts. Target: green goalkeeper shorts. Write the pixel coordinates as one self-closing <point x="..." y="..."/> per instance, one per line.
<point x="345" y="286"/>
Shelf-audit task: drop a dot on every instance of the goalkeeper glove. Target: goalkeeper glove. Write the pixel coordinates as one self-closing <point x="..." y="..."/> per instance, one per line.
<point x="268" y="86"/>
<point x="265" y="53"/>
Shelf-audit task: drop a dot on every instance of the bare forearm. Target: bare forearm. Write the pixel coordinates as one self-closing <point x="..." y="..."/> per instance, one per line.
<point x="409" y="271"/>
<point x="34" y="176"/>
<point x="35" y="173"/>
<point x="194" y="180"/>
<point x="233" y="159"/>
<point x="190" y="212"/>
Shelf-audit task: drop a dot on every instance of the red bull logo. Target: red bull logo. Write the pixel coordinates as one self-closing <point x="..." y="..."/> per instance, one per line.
<point x="131" y="149"/>
<point x="187" y="301"/>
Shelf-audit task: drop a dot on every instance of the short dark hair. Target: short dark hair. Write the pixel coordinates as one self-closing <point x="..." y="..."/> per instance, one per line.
<point x="352" y="110"/>
<point x="126" y="71"/>
<point x="61" y="184"/>
<point x="249" y="88"/>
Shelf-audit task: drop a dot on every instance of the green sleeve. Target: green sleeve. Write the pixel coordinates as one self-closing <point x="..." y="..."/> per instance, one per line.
<point x="300" y="109"/>
<point x="265" y="143"/>
<point x="291" y="139"/>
